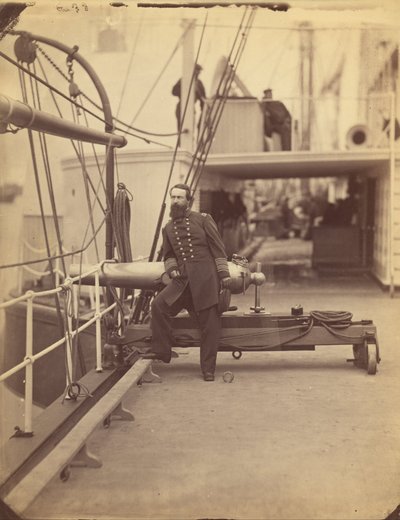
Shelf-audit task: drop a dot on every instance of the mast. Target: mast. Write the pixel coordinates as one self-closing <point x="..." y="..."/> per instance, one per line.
<point x="187" y="138"/>
<point x="306" y="83"/>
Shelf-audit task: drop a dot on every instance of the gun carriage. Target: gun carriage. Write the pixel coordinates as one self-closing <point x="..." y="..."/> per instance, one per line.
<point x="252" y="331"/>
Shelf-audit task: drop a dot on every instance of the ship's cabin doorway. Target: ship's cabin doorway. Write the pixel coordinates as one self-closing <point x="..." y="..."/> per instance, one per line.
<point x="303" y="226"/>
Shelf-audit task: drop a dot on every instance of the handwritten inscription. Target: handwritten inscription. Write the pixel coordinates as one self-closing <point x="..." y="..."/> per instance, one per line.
<point x="77" y="7"/>
<point x="74" y="8"/>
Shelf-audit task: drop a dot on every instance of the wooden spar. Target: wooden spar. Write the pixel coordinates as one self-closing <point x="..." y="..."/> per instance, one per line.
<point x="22" y="115"/>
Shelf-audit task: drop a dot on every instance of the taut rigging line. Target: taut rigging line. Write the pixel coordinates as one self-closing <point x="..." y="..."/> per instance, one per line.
<point x="143" y="301"/>
<point x="64" y="323"/>
<point x="80" y="156"/>
<point x="46" y="164"/>
<point x="212" y="118"/>
<point x="181" y="38"/>
<point x="96" y="105"/>
<point x="61" y="255"/>
<point x="40" y="200"/>
<point x="78" y="105"/>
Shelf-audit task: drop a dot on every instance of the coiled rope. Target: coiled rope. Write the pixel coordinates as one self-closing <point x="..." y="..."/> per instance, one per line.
<point x="332" y="321"/>
<point x="122" y="222"/>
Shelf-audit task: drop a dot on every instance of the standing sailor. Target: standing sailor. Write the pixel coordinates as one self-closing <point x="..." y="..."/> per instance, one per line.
<point x="277" y="119"/>
<point x="199" y="95"/>
<point x="195" y="259"/>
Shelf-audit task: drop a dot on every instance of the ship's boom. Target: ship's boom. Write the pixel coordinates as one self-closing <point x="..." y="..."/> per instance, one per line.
<point x="24" y="116"/>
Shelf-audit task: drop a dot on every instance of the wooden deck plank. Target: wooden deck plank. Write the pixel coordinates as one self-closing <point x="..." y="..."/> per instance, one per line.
<point x="20" y="455"/>
<point x="31" y="485"/>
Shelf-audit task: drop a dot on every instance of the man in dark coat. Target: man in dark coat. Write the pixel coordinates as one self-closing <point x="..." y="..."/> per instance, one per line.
<point x="199" y="95"/>
<point x="277" y="119"/>
<point x="195" y="259"/>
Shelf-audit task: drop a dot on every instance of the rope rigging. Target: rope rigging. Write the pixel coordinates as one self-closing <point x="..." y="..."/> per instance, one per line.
<point x="64" y="96"/>
<point x="332" y="321"/>
<point x="72" y="350"/>
<point x="204" y="141"/>
<point x="87" y="180"/>
<point x="214" y="114"/>
<point x="86" y="186"/>
<point x="168" y="183"/>
<point x="65" y="323"/>
<point x="119" y="219"/>
<point x="78" y="154"/>
<point x="142" y="307"/>
<point x="41" y="206"/>
<point x="199" y="156"/>
<point x="161" y="73"/>
<point x="120" y="212"/>
<point x="59" y="256"/>
<point x="74" y="93"/>
<point x="46" y="164"/>
<point x="122" y="217"/>
<point x="96" y="105"/>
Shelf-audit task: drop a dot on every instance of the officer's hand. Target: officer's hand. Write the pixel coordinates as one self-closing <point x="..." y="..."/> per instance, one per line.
<point x="175" y="274"/>
<point x="226" y="282"/>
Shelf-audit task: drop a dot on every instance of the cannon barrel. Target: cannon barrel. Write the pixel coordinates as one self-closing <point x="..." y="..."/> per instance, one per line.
<point x="152" y="275"/>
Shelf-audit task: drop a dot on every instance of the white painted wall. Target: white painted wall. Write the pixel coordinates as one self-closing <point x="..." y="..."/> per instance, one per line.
<point x="145" y="175"/>
<point x="381" y="235"/>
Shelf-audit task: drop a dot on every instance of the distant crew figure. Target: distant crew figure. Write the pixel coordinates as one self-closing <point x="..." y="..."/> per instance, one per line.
<point x="277" y="119"/>
<point x="199" y="95"/>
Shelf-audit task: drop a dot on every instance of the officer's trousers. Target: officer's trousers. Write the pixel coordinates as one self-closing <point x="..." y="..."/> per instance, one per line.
<point x="209" y="322"/>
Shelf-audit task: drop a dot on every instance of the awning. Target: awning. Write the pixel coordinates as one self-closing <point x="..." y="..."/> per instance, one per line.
<point x="270" y="165"/>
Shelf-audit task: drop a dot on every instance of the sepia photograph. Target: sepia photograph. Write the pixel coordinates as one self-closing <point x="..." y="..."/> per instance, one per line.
<point x="200" y="260"/>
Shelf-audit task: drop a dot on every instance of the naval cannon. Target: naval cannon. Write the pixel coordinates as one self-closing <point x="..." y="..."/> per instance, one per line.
<point x="252" y="331"/>
<point x="152" y="275"/>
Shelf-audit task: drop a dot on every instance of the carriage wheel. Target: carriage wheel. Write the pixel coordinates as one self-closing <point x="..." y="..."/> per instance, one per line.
<point x="360" y="356"/>
<point x="372" y="361"/>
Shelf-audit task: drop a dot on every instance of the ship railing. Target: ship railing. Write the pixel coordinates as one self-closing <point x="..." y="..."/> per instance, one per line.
<point x="29" y="297"/>
<point x="58" y="272"/>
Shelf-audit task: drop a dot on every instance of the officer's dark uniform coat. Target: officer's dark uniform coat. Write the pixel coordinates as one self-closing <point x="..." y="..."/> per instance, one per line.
<point x="193" y="245"/>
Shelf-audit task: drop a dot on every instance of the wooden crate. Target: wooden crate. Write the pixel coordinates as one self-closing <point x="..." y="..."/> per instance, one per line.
<point x="241" y="127"/>
<point x="336" y="246"/>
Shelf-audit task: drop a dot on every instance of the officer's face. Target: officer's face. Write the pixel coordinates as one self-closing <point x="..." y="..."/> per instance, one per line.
<point x="178" y="198"/>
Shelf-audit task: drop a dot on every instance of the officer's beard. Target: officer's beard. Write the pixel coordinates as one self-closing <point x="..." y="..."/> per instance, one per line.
<point x="177" y="211"/>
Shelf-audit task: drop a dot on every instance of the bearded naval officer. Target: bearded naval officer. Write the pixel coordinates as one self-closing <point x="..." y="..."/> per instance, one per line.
<point x="195" y="260"/>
